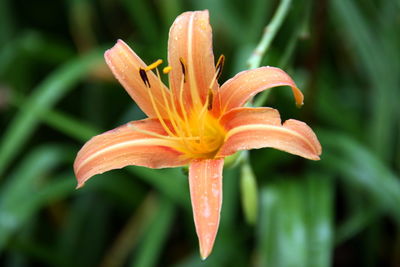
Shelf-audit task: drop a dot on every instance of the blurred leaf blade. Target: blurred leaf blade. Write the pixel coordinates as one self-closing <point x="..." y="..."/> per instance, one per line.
<point x="155" y="235"/>
<point x="296" y="214"/>
<point x="286" y="226"/>
<point x="26" y="191"/>
<point x="319" y="194"/>
<point x="44" y="97"/>
<point x="370" y="48"/>
<point x="362" y="168"/>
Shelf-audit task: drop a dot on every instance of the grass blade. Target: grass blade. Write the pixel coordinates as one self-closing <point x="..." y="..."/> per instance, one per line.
<point x="155" y="236"/>
<point x="319" y="214"/>
<point x="363" y="169"/>
<point x="44" y="96"/>
<point x="26" y="191"/>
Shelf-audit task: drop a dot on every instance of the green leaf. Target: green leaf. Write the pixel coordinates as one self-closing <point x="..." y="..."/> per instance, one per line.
<point x="69" y="125"/>
<point x="156" y="235"/>
<point x="44" y="96"/>
<point x="141" y="16"/>
<point x="171" y="182"/>
<point x="360" y="167"/>
<point x="319" y="219"/>
<point x="282" y="225"/>
<point x="26" y="190"/>
<point x="371" y="49"/>
<point x="295" y="227"/>
<point x="358" y="221"/>
<point x="266" y="232"/>
<point x="62" y="122"/>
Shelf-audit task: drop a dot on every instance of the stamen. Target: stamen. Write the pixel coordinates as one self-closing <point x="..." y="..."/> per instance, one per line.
<point x="183" y="65"/>
<point x="219" y="66"/>
<point x="178" y="118"/>
<point x="155" y="106"/>
<point x="167" y="69"/>
<point x="166" y="137"/>
<point x="202" y="120"/>
<point x="170" y="114"/>
<point x="144" y="77"/>
<point x="184" y="132"/>
<point x="188" y="128"/>
<point x="154" y="65"/>
<point x="183" y="109"/>
<point x="130" y="125"/>
<point x="218" y="71"/>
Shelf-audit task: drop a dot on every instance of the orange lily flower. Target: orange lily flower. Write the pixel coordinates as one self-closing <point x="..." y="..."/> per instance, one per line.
<point x="196" y="122"/>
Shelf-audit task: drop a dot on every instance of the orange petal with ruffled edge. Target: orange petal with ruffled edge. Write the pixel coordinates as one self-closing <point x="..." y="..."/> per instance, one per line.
<point x="252" y="128"/>
<point x="205" y="181"/>
<point x="125" y="64"/>
<point x="236" y="91"/>
<point x="247" y="115"/>
<point x="125" y="146"/>
<point x="190" y="39"/>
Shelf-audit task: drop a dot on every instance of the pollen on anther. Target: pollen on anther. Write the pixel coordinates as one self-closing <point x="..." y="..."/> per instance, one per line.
<point x="154" y="65"/>
<point x="167" y="69"/>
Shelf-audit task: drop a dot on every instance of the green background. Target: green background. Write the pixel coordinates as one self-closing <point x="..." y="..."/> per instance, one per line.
<point x="279" y="210"/>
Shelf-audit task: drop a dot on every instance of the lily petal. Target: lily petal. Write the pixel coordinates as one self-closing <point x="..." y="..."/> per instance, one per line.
<point x="247" y="115"/>
<point x="125" y="64"/>
<point x="258" y="128"/>
<point x="236" y="91"/>
<point x="124" y="146"/>
<point x="190" y="39"/>
<point x="205" y="181"/>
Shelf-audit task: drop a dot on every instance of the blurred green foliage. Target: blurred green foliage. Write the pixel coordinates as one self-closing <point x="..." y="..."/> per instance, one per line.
<point x="56" y="92"/>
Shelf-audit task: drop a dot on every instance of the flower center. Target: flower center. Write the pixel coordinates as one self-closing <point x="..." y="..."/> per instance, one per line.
<point x="202" y="135"/>
<point x="192" y="128"/>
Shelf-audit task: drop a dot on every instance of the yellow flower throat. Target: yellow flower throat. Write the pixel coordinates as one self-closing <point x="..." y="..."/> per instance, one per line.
<point x="191" y="128"/>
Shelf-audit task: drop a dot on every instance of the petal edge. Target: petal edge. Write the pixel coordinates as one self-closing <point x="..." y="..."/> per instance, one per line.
<point x="125" y="64"/>
<point x="293" y="136"/>
<point x="190" y="38"/>
<point x="244" y="85"/>
<point x="124" y="146"/>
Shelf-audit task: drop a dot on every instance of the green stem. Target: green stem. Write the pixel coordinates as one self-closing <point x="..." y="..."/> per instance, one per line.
<point x="269" y="33"/>
<point x="250" y="205"/>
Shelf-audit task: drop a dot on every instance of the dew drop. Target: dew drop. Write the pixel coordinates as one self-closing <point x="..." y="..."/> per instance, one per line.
<point x="206" y="207"/>
<point x="214" y="190"/>
<point x="207" y="238"/>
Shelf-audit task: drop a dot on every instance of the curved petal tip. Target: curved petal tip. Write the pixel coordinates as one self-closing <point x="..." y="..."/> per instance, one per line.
<point x="205" y="183"/>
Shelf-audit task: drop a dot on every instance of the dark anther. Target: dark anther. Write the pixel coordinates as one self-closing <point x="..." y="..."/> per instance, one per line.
<point x="219" y="66"/>
<point x="144" y="77"/>
<point x="210" y="99"/>
<point x="183" y="68"/>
